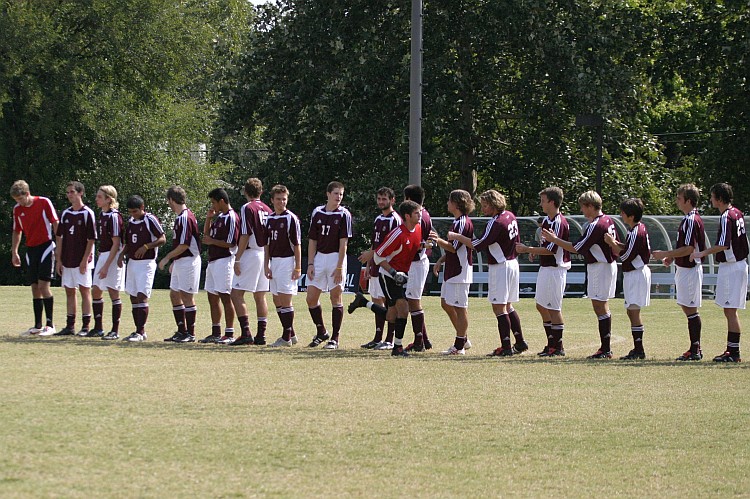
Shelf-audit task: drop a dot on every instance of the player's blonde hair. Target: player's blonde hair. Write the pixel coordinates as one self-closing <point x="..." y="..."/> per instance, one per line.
<point x="462" y="200"/>
<point x="494" y="199"/>
<point x="111" y="193"/>
<point x="19" y="188"/>
<point x="689" y="192"/>
<point x="591" y="198"/>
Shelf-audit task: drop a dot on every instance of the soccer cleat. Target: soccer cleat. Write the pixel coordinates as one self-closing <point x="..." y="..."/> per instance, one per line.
<point x="545" y="351"/>
<point x="281" y="342"/>
<point x="467" y="345"/>
<point x="520" y="347"/>
<point x="415" y="347"/>
<point x="358" y="302"/>
<point x="185" y="338"/>
<point x="32" y="331"/>
<point x="332" y="345"/>
<point x="174" y="336"/>
<point x="231" y="340"/>
<point x="454" y="351"/>
<point x="66" y="331"/>
<point x="317" y="340"/>
<point x="554" y="352"/>
<point x="259" y="340"/>
<point x="398" y="351"/>
<point x="600" y="354"/>
<point x="501" y="352"/>
<point x="294" y="339"/>
<point x="112" y="335"/>
<point x="384" y="345"/>
<point x="134" y="337"/>
<point x="95" y="333"/>
<point x="84" y="332"/>
<point x="370" y="345"/>
<point x="210" y="339"/>
<point x="48" y="331"/>
<point x="690" y="356"/>
<point x="728" y="357"/>
<point x="427" y="344"/>
<point x="634" y="355"/>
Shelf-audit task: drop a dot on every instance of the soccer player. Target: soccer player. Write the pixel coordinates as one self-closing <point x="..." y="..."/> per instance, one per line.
<point x="499" y="244"/>
<point x="418" y="271"/>
<point x="394" y="257"/>
<point x="600" y="264"/>
<point x="458" y="275"/>
<point x="76" y="234"/>
<point x="328" y="238"/>
<point x="143" y="236"/>
<point x="220" y="234"/>
<point x="249" y="274"/>
<point x="554" y="262"/>
<point x="688" y="277"/>
<point x="385" y="222"/>
<point x="36" y="218"/>
<point x="636" y="276"/>
<point x="185" y="268"/>
<point x="283" y="261"/>
<point x="731" y="250"/>
<point x="107" y="274"/>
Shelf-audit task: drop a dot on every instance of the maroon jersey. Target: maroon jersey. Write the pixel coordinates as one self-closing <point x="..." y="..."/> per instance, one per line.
<point x="592" y="245"/>
<point x="284" y="233"/>
<point x="732" y="234"/>
<point x="561" y="257"/>
<point x="426" y="223"/>
<point x="637" y="249"/>
<point x="458" y="265"/>
<point x="328" y="227"/>
<point x="224" y="227"/>
<point x="186" y="232"/>
<point x="499" y="239"/>
<point x="109" y="225"/>
<point x="253" y="222"/>
<point x="35" y="221"/>
<point x="399" y="248"/>
<point x="139" y="232"/>
<point x="384" y="224"/>
<point x="76" y="228"/>
<point x="691" y="233"/>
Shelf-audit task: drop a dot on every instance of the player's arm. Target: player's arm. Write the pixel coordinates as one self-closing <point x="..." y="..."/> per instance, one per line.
<point x="113" y="254"/>
<point x="84" y="265"/>
<point x="182" y="248"/>
<point x="15" y="259"/>
<point x="438" y="265"/>
<point x="442" y="243"/>
<point x="551" y="237"/>
<point x="312" y="249"/>
<point x="455" y="236"/>
<point x="366" y="256"/>
<point x="708" y="251"/>
<point x="206" y="239"/>
<point x="297" y="272"/>
<point x="267" y="261"/>
<point x="617" y="246"/>
<point x="672" y="254"/>
<point x="533" y="250"/>
<point x="58" y="254"/>
<point x="338" y="274"/>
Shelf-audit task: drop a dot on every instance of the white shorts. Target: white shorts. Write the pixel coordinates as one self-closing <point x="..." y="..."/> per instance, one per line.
<point x="550" y="287"/>
<point x="139" y="277"/>
<point x="602" y="280"/>
<point x="376" y="291"/>
<point x="689" y="285"/>
<point x="219" y="275"/>
<point x="282" y="282"/>
<point x="503" y="282"/>
<point x="72" y="278"/>
<point x="115" y="275"/>
<point x="418" y="272"/>
<point x="186" y="275"/>
<point x="636" y="285"/>
<point x="731" y="285"/>
<point x="325" y="265"/>
<point x="253" y="277"/>
<point x="455" y="294"/>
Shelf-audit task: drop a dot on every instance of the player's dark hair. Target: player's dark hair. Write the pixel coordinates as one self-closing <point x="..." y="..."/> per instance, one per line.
<point x="633" y="207"/>
<point x="554" y="194"/>
<point x="386" y="191"/>
<point x="77" y="186"/>
<point x="279" y="189"/>
<point x="407" y="207"/>
<point x="253" y="187"/>
<point x="414" y="193"/>
<point x="219" y="194"/>
<point x="176" y="194"/>
<point x="723" y="192"/>
<point x="334" y="185"/>
<point x="135" y="202"/>
<point x="462" y="200"/>
<point x="690" y="193"/>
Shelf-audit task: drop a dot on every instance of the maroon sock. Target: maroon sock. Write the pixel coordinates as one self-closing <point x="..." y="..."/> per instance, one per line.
<point x="424" y="330"/>
<point x="70" y="321"/>
<point x="86" y="319"/>
<point x="459" y="342"/>
<point x="733" y="342"/>
<point x="190" y="313"/>
<point x="417" y="325"/>
<point x="215" y="329"/>
<point x="244" y="326"/>
<point x="694" y="330"/>
<point x="379" y="325"/>
<point x="316" y="314"/>
<point x="337" y="317"/>
<point x="605" y="331"/>
<point x="557" y="336"/>
<point x="286" y="316"/>
<point x="178" y="311"/>
<point x="262" y="324"/>
<point x="391" y="332"/>
<point x="116" y="314"/>
<point x="503" y="327"/>
<point x="97" y="307"/>
<point x="637" y="332"/>
<point x="515" y="324"/>
<point x="548" y="333"/>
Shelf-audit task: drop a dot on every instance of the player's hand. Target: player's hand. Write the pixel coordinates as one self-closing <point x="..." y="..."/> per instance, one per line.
<point x="658" y="254"/>
<point x="162" y="263"/>
<point x="667" y="261"/>
<point x="338" y="276"/>
<point x="237" y="268"/>
<point x="15" y="260"/>
<point x="366" y="256"/>
<point x="210" y="213"/>
<point x="433" y="235"/>
<point x="269" y="274"/>
<point x="695" y="255"/>
<point x="452" y="235"/>
<point x="548" y="235"/>
<point x="436" y="268"/>
<point x="58" y="267"/>
<point x="140" y="251"/>
<point x="400" y="277"/>
<point x="83" y="267"/>
<point x="522" y="248"/>
<point x="296" y="274"/>
<point x="103" y="273"/>
<point x="310" y="272"/>
<point x="208" y="240"/>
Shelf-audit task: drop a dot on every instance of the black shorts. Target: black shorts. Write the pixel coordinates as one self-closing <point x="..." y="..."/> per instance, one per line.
<point x="40" y="263"/>
<point x="391" y="290"/>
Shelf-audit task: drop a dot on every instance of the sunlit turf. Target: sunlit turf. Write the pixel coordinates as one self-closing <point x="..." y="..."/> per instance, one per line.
<point x="84" y="417"/>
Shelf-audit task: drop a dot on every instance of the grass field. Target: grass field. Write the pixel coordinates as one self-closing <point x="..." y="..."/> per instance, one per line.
<point x="84" y="417"/>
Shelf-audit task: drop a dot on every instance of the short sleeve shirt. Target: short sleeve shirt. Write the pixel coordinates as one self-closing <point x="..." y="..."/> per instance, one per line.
<point x="76" y="228"/>
<point x="253" y="223"/>
<point x="35" y="221"/>
<point x="139" y="232"/>
<point x="224" y="227"/>
<point x="383" y="225"/>
<point x="399" y="248"/>
<point x="327" y="228"/>
<point x="499" y="239"/>
<point x="690" y="233"/>
<point x="284" y="234"/>
<point x="109" y="225"/>
<point x="458" y="265"/>
<point x="561" y="257"/>
<point x="637" y="249"/>
<point x="186" y="232"/>
<point x="732" y="234"/>
<point x="592" y="245"/>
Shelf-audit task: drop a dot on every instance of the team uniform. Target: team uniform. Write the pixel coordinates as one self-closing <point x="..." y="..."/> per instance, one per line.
<point x="458" y="273"/>
<point x="398" y="249"/>
<point x="186" y="267"/>
<point x="689" y="274"/>
<point x="220" y="270"/>
<point x="284" y="234"/>
<point x="731" y="284"/>
<point x="383" y="225"/>
<point x="553" y="269"/>
<point x="636" y="276"/>
<point x="420" y="266"/>
<point x="139" y="273"/>
<point x="35" y="222"/>
<point x="327" y="228"/>
<point x="75" y="229"/>
<point x="109" y="225"/>
<point x="253" y="216"/>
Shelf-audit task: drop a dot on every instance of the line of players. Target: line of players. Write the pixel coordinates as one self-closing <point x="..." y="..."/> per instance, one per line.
<point x="268" y="245"/>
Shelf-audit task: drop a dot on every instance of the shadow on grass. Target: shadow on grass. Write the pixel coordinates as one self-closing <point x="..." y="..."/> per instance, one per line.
<point x="304" y="352"/>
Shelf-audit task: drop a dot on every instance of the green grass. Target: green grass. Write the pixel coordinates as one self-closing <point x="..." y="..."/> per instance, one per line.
<point x="84" y="417"/>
